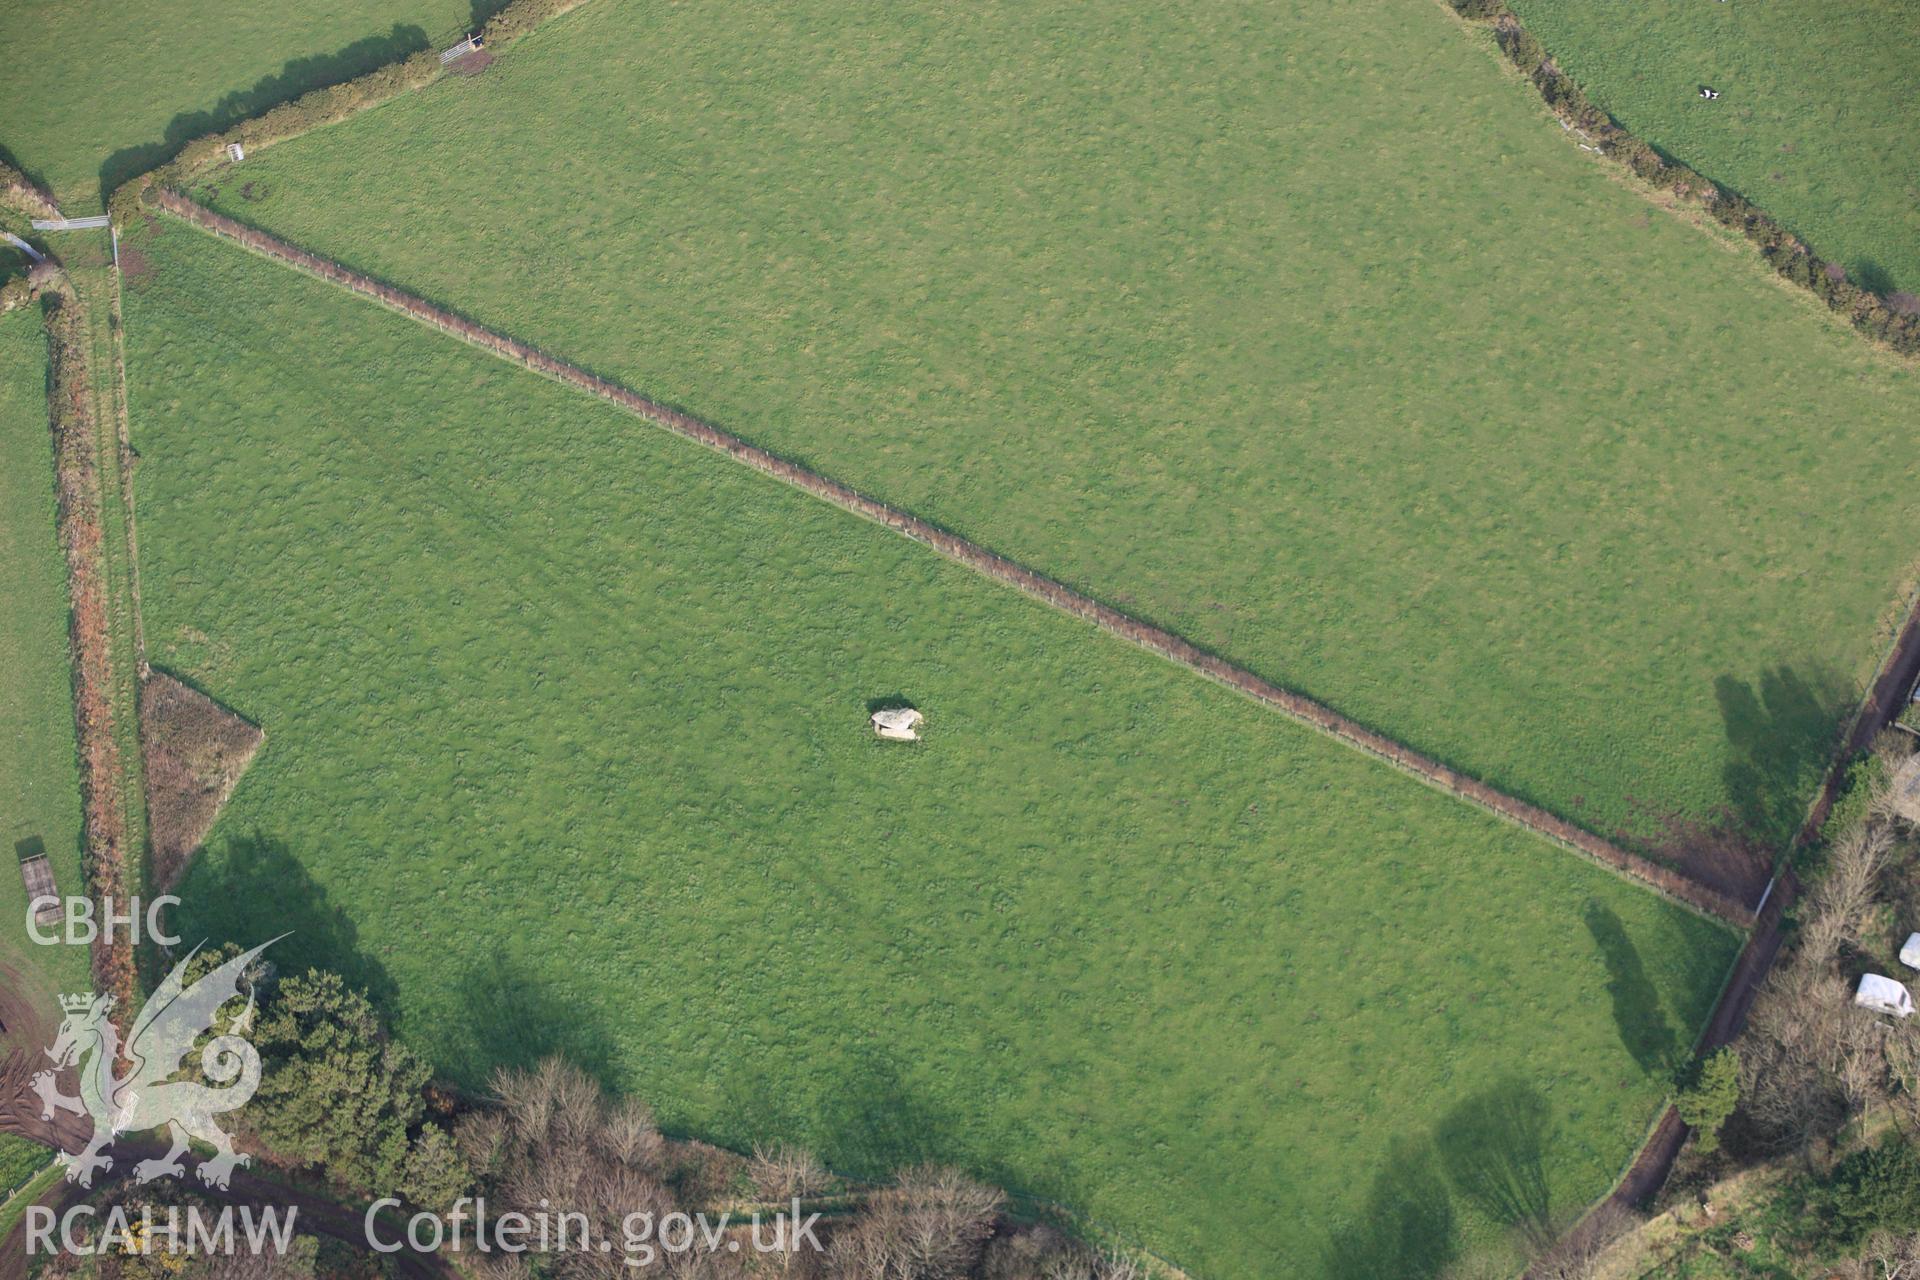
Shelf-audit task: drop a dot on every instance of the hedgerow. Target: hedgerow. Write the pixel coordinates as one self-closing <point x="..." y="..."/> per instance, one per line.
<point x="17" y="191"/>
<point x="1877" y="317"/>
<point x="323" y="107"/>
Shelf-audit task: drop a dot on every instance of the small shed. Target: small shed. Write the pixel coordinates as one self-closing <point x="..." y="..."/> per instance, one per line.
<point x="1883" y="995"/>
<point x="897" y="724"/>
<point x="37" y="874"/>
<point x="1910" y="953"/>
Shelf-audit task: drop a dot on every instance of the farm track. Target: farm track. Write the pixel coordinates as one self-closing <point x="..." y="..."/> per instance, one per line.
<point x="1175" y="648"/>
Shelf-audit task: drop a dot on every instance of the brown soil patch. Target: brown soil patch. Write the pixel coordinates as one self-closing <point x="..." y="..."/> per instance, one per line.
<point x="471" y="64"/>
<point x="135" y="266"/>
<point x="196" y="751"/>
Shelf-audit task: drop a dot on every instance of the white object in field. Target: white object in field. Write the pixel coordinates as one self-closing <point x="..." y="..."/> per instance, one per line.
<point x="1910" y="954"/>
<point x="236" y="152"/>
<point x="1709" y="94"/>
<point x="896" y="724"/>
<point x="71" y="224"/>
<point x="1883" y="995"/>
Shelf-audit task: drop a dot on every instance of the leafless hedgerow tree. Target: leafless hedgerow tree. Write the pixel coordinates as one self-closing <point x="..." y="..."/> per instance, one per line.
<point x="557" y="1146"/>
<point x="1886" y="1255"/>
<point x="932" y="1224"/>
<point x="1810" y="1058"/>
<point x="1043" y="1253"/>
<point x="1579" y="1255"/>
<point x="782" y="1171"/>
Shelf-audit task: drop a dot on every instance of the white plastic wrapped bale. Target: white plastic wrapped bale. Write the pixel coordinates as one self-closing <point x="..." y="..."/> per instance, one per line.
<point x="897" y="724"/>
<point x="1910" y="953"/>
<point x="1883" y="995"/>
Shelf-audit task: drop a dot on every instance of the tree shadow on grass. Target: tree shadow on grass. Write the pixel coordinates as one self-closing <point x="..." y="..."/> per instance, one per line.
<point x="1407" y="1228"/>
<point x="252" y="888"/>
<point x="1642" y="1023"/>
<point x="298" y="76"/>
<point x="1493" y="1148"/>
<point x="866" y="1118"/>
<point x="1780" y="729"/>
<point x="512" y="1017"/>
<point x="1871" y="276"/>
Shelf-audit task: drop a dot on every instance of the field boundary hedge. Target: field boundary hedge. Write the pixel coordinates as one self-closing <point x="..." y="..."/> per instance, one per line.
<point x="83" y="541"/>
<point x="1155" y="639"/>
<point x="1790" y="257"/>
<point x="322" y="107"/>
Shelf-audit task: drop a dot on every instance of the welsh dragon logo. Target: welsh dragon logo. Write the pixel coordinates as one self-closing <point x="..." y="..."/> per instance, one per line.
<point x="170" y="1026"/>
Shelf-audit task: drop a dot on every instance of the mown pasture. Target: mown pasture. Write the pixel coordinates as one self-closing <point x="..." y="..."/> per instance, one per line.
<point x="1815" y="121"/>
<point x="1301" y="330"/>
<point x="41" y="801"/>
<point x="567" y="748"/>
<point x="97" y="92"/>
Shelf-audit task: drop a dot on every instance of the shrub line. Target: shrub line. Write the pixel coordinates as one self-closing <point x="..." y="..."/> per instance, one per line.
<point x="1155" y="639"/>
<point x="83" y="540"/>
<point x="1871" y="315"/>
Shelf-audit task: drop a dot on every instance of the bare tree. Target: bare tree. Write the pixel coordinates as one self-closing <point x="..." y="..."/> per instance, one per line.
<point x="782" y="1171"/>
<point x="932" y="1224"/>
<point x="1886" y="1255"/>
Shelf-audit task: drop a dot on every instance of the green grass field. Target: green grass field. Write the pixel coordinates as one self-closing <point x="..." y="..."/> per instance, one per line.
<point x="97" y="92"/>
<point x="1816" y="121"/>
<point x="1299" y="329"/>
<point x="568" y="748"/>
<point x="19" y="1161"/>
<point x="40" y="809"/>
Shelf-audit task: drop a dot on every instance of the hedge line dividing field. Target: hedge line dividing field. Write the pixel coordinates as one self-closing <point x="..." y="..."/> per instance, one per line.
<point x="1872" y="315"/>
<point x="568" y="747"/>
<point x="79" y="491"/>
<point x="1815" y="120"/>
<point x="1155" y="639"/>
<point x="1609" y="530"/>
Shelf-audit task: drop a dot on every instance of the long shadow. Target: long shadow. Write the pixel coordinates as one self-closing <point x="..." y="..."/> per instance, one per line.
<point x="1871" y="276"/>
<point x="298" y="76"/>
<point x="1407" y="1229"/>
<point x="511" y="1017"/>
<point x="252" y="888"/>
<point x="867" y="1119"/>
<point x="1642" y="1023"/>
<point x="1780" y="731"/>
<point x="12" y="162"/>
<point x="1493" y="1148"/>
<point x="483" y="10"/>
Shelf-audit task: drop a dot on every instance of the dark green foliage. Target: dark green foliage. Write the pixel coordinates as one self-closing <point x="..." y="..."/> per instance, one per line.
<point x="1706" y="1103"/>
<point x="335" y="1091"/>
<point x="1521" y="47"/>
<point x="435" y="1173"/>
<point x="1871" y="1190"/>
